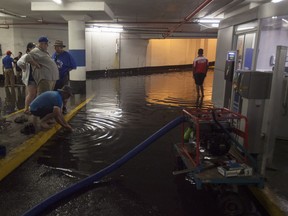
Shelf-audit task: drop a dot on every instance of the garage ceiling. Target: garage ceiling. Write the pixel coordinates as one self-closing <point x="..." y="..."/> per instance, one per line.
<point x="141" y="18"/>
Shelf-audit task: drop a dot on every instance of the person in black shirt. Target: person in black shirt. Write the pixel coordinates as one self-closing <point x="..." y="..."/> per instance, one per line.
<point x="18" y="69"/>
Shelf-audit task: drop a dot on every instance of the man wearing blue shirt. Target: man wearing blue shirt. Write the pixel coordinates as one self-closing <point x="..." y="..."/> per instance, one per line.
<point x="48" y="105"/>
<point x="65" y="64"/>
<point x="8" y="71"/>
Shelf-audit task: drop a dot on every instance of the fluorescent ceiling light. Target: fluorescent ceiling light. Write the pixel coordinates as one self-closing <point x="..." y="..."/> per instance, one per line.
<point x="215" y="25"/>
<point x="58" y="1"/>
<point x="284" y="20"/>
<point x="276" y="1"/>
<point x="209" y="25"/>
<point x="108" y="28"/>
<point x="211" y="21"/>
<point x="245" y="28"/>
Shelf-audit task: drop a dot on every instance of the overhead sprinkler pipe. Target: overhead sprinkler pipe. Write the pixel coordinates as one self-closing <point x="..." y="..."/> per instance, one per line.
<point x="10" y="13"/>
<point x="41" y="207"/>
<point x="189" y="17"/>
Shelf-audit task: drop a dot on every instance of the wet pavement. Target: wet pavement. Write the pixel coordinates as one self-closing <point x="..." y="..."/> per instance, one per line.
<point x="124" y="112"/>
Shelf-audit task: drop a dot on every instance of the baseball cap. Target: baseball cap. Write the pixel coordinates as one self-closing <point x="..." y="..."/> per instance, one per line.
<point x="66" y="89"/>
<point x="30" y="45"/>
<point x="43" y="39"/>
<point x="59" y="43"/>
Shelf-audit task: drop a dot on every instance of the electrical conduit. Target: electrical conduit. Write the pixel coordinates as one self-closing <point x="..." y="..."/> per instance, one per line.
<point x="41" y="207"/>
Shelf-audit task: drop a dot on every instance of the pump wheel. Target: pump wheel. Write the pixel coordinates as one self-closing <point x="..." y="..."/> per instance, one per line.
<point x="179" y="163"/>
<point x="230" y="204"/>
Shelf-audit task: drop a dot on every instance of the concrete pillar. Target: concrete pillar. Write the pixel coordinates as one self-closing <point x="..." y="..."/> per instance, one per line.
<point x="76" y="38"/>
<point x="76" y="15"/>
<point x="274" y="108"/>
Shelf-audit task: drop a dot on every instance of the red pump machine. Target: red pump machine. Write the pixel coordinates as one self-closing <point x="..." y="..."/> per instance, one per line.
<point x="213" y="155"/>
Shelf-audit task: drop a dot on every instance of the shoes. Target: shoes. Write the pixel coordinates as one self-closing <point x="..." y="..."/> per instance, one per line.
<point x="28" y="129"/>
<point x="64" y="110"/>
<point x="45" y="126"/>
<point x="27" y="112"/>
<point x="21" y="119"/>
<point x="2" y="151"/>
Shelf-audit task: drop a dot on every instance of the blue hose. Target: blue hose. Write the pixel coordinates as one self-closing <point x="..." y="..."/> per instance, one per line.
<point x="41" y="207"/>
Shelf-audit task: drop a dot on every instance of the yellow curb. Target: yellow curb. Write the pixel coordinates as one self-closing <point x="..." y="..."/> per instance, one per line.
<point x="265" y="198"/>
<point x="14" y="113"/>
<point x="18" y="155"/>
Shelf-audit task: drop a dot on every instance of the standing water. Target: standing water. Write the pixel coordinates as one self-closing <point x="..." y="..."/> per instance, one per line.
<point x="124" y="112"/>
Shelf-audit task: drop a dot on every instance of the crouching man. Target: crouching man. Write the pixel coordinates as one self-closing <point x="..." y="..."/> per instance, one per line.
<point x="48" y="106"/>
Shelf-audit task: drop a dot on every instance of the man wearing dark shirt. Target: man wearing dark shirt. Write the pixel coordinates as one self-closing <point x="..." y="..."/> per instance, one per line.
<point x="8" y="71"/>
<point x="200" y="68"/>
<point x="18" y="69"/>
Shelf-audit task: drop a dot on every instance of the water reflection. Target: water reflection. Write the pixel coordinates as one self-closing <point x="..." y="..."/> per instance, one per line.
<point x="13" y="99"/>
<point x="175" y="89"/>
<point x="10" y="100"/>
<point x="124" y="111"/>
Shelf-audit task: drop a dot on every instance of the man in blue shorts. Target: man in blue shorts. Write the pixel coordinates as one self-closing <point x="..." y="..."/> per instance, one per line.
<point x="49" y="104"/>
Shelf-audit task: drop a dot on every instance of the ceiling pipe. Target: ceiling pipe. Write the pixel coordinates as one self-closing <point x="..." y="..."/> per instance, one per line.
<point x="33" y="23"/>
<point x="4" y="26"/>
<point x="234" y="3"/>
<point x="137" y="22"/>
<point x="189" y="17"/>
<point x="10" y="13"/>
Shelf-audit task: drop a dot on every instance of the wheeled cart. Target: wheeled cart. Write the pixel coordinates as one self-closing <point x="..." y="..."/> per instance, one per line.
<point x="214" y="154"/>
<point x="214" y="149"/>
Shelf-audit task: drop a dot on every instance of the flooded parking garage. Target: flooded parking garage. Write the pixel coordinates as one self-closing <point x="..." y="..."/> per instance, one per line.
<point x="123" y="113"/>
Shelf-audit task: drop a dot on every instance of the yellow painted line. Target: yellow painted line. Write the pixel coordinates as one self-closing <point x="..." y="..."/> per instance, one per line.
<point x="268" y="201"/>
<point x="14" y="113"/>
<point x="17" y="156"/>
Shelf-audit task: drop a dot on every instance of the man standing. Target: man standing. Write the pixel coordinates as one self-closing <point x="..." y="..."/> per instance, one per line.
<point x="45" y="71"/>
<point x="27" y="77"/>
<point x="65" y="64"/>
<point x="200" y="68"/>
<point x="8" y="71"/>
<point x="18" y="69"/>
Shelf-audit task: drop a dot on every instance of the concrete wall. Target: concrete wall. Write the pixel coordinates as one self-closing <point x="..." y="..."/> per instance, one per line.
<point x="6" y="41"/>
<point x="178" y="51"/>
<point x="101" y="51"/>
<point x="111" y="50"/>
<point x="133" y="52"/>
<point x="267" y="43"/>
<point x="269" y="40"/>
<point x="225" y="44"/>
<point x="16" y="38"/>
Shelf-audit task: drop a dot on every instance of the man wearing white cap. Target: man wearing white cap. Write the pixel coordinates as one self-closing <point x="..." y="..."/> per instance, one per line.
<point x="45" y="71"/>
